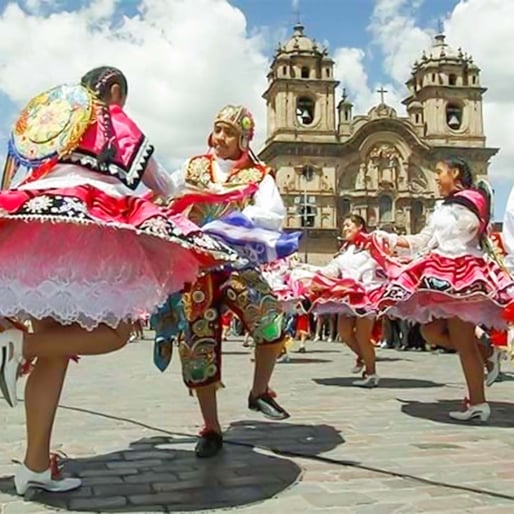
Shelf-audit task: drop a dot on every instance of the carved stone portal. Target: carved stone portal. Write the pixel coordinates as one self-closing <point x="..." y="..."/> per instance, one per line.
<point x="383" y="168"/>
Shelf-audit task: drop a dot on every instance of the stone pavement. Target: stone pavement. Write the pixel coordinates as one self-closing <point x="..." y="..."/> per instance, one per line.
<point x="128" y="432"/>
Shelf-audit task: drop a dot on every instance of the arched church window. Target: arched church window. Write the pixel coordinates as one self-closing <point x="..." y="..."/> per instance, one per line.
<point x="305" y="110"/>
<point x="454" y="115"/>
<point x="345" y="207"/>
<point x="307" y="173"/>
<point x="284" y="70"/>
<point x="327" y="72"/>
<point x="306" y="72"/>
<point x="452" y="79"/>
<point x="385" y="209"/>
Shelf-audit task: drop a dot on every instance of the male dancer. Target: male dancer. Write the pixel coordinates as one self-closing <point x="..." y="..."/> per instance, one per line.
<point x="230" y="180"/>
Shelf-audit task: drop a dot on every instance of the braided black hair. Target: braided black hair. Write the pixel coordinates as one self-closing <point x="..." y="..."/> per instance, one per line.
<point x="465" y="176"/>
<point x="100" y="81"/>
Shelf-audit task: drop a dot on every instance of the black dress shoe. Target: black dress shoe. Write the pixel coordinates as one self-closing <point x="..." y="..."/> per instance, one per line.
<point x="209" y="444"/>
<point x="268" y="406"/>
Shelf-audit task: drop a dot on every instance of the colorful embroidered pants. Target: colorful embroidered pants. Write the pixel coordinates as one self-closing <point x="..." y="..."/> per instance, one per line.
<point x="249" y="296"/>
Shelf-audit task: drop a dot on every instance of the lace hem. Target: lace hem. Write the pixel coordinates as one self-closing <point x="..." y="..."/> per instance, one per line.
<point x="89" y="305"/>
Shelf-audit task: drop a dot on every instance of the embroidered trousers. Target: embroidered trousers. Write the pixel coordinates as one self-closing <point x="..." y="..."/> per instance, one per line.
<point x="249" y="296"/>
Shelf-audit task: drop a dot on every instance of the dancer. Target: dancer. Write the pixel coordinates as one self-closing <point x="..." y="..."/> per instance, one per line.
<point x="231" y="194"/>
<point x="80" y="255"/>
<point x="303" y="324"/>
<point x="454" y="284"/>
<point x="350" y="286"/>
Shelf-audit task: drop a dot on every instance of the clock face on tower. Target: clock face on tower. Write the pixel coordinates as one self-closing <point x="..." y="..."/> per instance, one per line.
<point x="305" y="110"/>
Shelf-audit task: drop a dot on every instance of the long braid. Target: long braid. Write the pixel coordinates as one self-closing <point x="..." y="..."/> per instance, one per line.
<point x="99" y="81"/>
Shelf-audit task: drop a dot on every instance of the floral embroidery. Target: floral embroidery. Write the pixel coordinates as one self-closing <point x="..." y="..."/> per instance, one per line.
<point x="72" y="207"/>
<point x="248" y="176"/>
<point x="39" y="204"/>
<point x="199" y="171"/>
<point x="158" y="226"/>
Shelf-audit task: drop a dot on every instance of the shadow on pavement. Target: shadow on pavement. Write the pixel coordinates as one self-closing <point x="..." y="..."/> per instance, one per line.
<point x="159" y="474"/>
<point x="305" y="360"/>
<point x="502" y="413"/>
<point x="385" y="383"/>
<point x="286" y="437"/>
<point x="392" y="359"/>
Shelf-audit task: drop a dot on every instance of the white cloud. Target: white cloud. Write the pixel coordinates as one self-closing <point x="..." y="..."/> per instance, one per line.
<point x="394" y="29"/>
<point x="491" y="44"/>
<point x="482" y="29"/>
<point x="350" y="71"/>
<point x="183" y="60"/>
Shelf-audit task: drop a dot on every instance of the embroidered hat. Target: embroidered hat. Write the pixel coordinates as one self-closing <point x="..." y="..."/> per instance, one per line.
<point x="51" y="125"/>
<point x="240" y="118"/>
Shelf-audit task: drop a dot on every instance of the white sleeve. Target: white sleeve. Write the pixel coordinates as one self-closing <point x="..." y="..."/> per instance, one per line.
<point x="268" y="210"/>
<point x="508" y="226"/>
<point x="467" y="223"/>
<point x="332" y="269"/>
<point x="161" y="182"/>
<point x="418" y="242"/>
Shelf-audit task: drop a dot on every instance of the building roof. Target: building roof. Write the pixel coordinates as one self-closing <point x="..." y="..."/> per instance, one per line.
<point x="442" y="53"/>
<point x="300" y="44"/>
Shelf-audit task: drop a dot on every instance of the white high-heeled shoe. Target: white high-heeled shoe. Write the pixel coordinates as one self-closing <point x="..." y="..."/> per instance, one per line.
<point x="25" y="479"/>
<point x="369" y="381"/>
<point x="11" y="357"/>
<point x="480" y="411"/>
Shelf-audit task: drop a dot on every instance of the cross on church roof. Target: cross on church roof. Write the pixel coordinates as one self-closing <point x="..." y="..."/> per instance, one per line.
<point x="382" y="92"/>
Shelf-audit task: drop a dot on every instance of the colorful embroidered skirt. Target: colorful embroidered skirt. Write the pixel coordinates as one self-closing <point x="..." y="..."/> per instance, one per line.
<point x="81" y="256"/>
<point x="435" y="286"/>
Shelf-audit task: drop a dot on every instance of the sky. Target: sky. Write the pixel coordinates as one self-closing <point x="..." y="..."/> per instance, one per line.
<point x="186" y="58"/>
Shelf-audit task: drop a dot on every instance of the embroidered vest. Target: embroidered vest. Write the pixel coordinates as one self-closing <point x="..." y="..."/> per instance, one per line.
<point x="133" y="150"/>
<point x="200" y="175"/>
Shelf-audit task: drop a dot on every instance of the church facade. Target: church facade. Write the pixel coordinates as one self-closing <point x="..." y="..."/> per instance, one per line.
<point x="331" y="162"/>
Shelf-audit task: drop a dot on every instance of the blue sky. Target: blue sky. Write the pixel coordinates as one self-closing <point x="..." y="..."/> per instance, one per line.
<point x="341" y="24"/>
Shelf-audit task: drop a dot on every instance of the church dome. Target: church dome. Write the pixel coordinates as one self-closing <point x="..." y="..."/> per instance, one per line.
<point x="301" y="44"/>
<point x="442" y="53"/>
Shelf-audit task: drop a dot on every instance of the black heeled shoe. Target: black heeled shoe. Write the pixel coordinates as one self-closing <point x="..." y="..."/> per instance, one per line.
<point x="266" y="404"/>
<point x="209" y="444"/>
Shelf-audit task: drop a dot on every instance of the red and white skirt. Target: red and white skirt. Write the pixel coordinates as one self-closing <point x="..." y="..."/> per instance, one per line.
<point x="79" y="255"/>
<point x="435" y="286"/>
<point x="344" y="296"/>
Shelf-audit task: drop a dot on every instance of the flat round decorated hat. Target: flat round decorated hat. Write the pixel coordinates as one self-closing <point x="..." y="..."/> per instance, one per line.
<point x="52" y="124"/>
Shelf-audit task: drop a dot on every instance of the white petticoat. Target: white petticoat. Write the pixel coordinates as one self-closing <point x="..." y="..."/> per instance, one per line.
<point x="86" y="274"/>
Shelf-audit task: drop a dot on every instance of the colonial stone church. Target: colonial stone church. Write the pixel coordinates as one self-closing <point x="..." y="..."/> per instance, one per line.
<point x="331" y="161"/>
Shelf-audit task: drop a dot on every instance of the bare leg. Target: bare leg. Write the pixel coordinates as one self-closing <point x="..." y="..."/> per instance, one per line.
<point x="436" y="334"/>
<point x="52" y="344"/>
<point x="209" y="407"/>
<point x="333" y="324"/>
<point x="363" y="330"/>
<point x="265" y="358"/>
<point x="346" y="331"/>
<point x="303" y="339"/>
<point x="462" y="336"/>
<point x="53" y="340"/>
